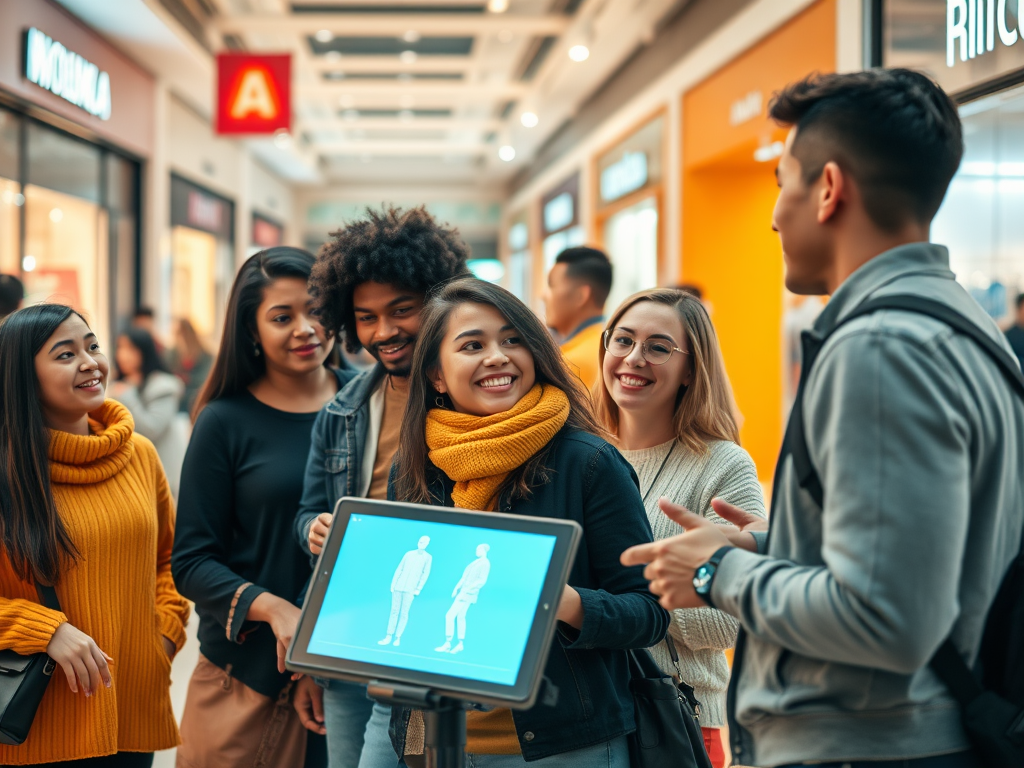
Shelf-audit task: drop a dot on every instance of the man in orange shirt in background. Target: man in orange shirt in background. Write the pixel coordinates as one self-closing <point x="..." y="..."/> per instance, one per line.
<point x="578" y="286"/>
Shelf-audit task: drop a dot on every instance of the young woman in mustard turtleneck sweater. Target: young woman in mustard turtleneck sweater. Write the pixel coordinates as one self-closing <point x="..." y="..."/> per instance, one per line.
<point x="84" y="506"/>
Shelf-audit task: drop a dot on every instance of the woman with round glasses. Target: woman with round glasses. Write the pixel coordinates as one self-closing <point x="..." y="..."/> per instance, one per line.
<point x="665" y="397"/>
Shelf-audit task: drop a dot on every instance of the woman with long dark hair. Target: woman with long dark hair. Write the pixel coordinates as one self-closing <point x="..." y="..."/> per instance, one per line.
<point x="665" y="397"/>
<point x="85" y="508"/>
<point x="152" y="395"/>
<point x="241" y="484"/>
<point x="189" y="361"/>
<point x="496" y="421"/>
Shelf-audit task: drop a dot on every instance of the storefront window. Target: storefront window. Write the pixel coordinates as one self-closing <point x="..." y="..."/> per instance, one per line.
<point x="560" y="217"/>
<point x="11" y="198"/>
<point x="980" y="218"/>
<point x="631" y="239"/>
<point x="520" y="259"/>
<point x="202" y="256"/>
<point x="122" y="197"/>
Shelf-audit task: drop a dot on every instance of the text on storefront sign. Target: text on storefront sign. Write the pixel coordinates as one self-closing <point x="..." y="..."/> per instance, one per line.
<point x="64" y="73"/>
<point x="253" y="93"/>
<point x="559" y="212"/>
<point x="974" y="24"/>
<point x="624" y="176"/>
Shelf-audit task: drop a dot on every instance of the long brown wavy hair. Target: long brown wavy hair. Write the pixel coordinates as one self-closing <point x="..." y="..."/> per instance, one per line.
<point x="412" y="463"/>
<point x="705" y="410"/>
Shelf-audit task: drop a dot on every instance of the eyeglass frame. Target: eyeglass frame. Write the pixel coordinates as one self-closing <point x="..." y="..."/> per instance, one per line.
<point x="643" y="349"/>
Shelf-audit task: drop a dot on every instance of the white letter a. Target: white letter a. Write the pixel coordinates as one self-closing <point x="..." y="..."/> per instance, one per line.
<point x="254" y="96"/>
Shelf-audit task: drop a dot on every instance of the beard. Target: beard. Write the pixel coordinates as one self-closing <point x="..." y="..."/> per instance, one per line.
<point x="403" y="369"/>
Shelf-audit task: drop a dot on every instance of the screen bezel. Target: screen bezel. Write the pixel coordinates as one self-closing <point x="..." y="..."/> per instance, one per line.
<point x="520" y="695"/>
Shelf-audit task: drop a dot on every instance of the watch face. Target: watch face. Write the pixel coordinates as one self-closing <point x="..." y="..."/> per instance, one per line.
<point x="702" y="577"/>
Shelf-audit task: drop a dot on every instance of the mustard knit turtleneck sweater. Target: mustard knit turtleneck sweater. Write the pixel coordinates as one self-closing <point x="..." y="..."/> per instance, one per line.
<point x="113" y="497"/>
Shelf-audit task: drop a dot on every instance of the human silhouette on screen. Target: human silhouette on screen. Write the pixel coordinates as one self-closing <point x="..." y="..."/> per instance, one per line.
<point x="409" y="579"/>
<point x="465" y="594"/>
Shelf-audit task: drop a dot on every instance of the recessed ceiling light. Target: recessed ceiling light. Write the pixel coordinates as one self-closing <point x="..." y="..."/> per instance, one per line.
<point x="411" y="36"/>
<point x="56" y="214"/>
<point x="282" y="140"/>
<point x="324" y="36"/>
<point x="579" y="53"/>
<point x="529" y="119"/>
<point x="28" y="264"/>
<point x="407" y="57"/>
<point x="507" y="153"/>
<point x="497" y="6"/>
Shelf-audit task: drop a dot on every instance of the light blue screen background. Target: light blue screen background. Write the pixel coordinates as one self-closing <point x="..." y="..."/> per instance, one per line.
<point x="357" y="604"/>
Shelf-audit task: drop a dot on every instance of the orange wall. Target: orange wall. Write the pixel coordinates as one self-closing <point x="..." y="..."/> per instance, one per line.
<point x="729" y="248"/>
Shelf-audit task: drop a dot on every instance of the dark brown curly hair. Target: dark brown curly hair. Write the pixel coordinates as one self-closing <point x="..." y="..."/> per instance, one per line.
<point x="408" y="249"/>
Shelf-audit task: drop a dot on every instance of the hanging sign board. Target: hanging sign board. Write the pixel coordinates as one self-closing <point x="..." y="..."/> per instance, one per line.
<point x="253" y="93"/>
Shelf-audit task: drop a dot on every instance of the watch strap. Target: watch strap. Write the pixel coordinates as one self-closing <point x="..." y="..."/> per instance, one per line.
<point x="713" y="561"/>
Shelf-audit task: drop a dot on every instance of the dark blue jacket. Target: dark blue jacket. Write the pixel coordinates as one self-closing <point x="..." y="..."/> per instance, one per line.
<point x="593" y="485"/>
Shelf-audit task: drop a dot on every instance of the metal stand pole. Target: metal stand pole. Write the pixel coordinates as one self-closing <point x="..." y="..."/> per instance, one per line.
<point x="445" y="737"/>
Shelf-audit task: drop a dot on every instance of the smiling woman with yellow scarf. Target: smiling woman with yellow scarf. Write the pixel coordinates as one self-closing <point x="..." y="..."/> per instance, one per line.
<point x="497" y="422"/>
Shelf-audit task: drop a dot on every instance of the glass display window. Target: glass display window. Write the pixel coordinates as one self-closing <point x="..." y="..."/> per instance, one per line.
<point x="630" y="238"/>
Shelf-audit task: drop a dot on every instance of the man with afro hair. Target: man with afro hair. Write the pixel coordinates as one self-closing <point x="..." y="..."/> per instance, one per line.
<point x="370" y="282"/>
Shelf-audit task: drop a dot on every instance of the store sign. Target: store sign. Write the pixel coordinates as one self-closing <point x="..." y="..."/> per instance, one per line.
<point x="559" y="212"/>
<point x="624" y="176"/>
<point x="253" y="93"/>
<point x="265" y="233"/>
<point x="64" y="73"/>
<point x="972" y="25"/>
<point x="204" y="212"/>
<point x="518" y="236"/>
<point x="746" y="109"/>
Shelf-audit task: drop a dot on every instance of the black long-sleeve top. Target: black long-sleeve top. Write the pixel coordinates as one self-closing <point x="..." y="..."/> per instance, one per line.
<point x="240" y="488"/>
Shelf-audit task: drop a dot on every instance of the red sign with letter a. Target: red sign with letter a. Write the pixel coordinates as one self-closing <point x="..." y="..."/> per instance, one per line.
<point x="253" y="93"/>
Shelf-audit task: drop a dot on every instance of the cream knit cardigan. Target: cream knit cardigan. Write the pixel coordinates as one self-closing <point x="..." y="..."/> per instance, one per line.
<point x="726" y="472"/>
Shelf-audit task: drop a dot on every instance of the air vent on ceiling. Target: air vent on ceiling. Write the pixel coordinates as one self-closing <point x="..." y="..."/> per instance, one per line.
<point x="567" y="7"/>
<point x="398" y="76"/>
<point x="535" y="56"/>
<point x="355" y="114"/>
<point x="233" y="42"/>
<point x="506" y="109"/>
<point x="389" y="8"/>
<point x="393" y="46"/>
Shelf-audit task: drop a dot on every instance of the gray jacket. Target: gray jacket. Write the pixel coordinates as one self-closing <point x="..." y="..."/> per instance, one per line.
<point x="919" y="442"/>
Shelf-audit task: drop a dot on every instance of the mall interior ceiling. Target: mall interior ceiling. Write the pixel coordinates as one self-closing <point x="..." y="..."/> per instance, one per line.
<point x="437" y="92"/>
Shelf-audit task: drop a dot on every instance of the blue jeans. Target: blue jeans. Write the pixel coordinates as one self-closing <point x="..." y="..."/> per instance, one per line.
<point x="346" y="711"/>
<point x="958" y="760"/>
<point x="378" y="752"/>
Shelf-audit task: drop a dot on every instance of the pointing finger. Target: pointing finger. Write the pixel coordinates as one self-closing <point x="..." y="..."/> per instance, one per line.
<point x="682" y="515"/>
<point x="638" y="555"/>
<point x="733" y="514"/>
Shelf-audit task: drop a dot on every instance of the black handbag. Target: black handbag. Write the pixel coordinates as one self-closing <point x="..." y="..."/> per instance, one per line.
<point x="23" y="681"/>
<point x="666" y="711"/>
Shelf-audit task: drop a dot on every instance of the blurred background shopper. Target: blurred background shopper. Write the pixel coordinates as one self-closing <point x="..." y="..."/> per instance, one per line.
<point x="496" y="421"/>
<point x="152" y="396"/>
<point x="666" y="398"/>
<point x="916" y="437"/>
<point x="370" y="283"/>
<point x="241" y="485"/>
<point x="1015" y="334"/>
<point x="578" y="286"/>
<point x="84" y="507"/>
<point x="189" y="361"/>
<point x="12" y="293"/>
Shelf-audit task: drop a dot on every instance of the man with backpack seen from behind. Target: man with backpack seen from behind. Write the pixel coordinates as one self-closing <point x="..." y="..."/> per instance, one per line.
<point x="899" y="495"/>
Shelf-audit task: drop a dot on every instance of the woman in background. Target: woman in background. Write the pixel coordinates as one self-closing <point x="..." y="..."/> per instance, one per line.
<point x="189" y="361"/>
<point x="84" y="508"/>
<point x="665" y="397"/>
<point x="152" y="395"/>
<point x="234" y="554"/>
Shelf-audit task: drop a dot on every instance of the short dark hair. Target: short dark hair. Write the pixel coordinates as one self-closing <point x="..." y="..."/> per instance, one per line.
<point x="390" y="246"/>
<point x="590" y="266"/>
<point x="1020" y="300"/>
<point x="894" y="131"/>
<point x="143" y="341"/>
<point x="12" y="291"/>
<point x="144" y="312"/>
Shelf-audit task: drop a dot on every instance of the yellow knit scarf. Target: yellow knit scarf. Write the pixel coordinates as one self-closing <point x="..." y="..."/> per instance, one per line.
<point x="479" y="452"/>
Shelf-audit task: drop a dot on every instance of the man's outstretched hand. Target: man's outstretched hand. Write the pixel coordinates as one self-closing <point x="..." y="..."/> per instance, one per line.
<point x="672" y="562"/>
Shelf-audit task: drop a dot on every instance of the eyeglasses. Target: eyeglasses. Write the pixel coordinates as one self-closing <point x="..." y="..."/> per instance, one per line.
<point x="654" y="351"/>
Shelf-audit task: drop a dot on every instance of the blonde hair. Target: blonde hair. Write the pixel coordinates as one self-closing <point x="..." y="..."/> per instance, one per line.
<point x="705" y="410"/>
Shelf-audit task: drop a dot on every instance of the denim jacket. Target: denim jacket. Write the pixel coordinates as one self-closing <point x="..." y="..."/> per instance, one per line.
<point x="335" y="459"/>
<point x="587" y="669"/>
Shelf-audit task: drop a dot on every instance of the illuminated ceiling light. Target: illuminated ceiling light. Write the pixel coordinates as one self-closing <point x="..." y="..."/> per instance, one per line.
<point x="529" y="119"/>
<point x="507" y="153"/>
<point x="769" y="152"/>
<point x="282" y="139"/>
<point x="56" y="214"/>
<point x="411" y="36"/>
<point x="579" y="53"/>
<point x="324" y="36"/>
<point x="497" y="6"/>
<point x="19" y="199"/>
<point x="28" y="263"/>
<point x="332" y="55"/>
<point x="407" y="57"/>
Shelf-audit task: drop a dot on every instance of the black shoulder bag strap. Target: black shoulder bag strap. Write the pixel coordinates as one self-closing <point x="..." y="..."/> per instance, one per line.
<point x="947" y="662"/>
<point x="48" y="597"/>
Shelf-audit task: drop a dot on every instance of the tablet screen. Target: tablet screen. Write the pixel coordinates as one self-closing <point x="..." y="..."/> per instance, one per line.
<point x="433" y="597"/>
